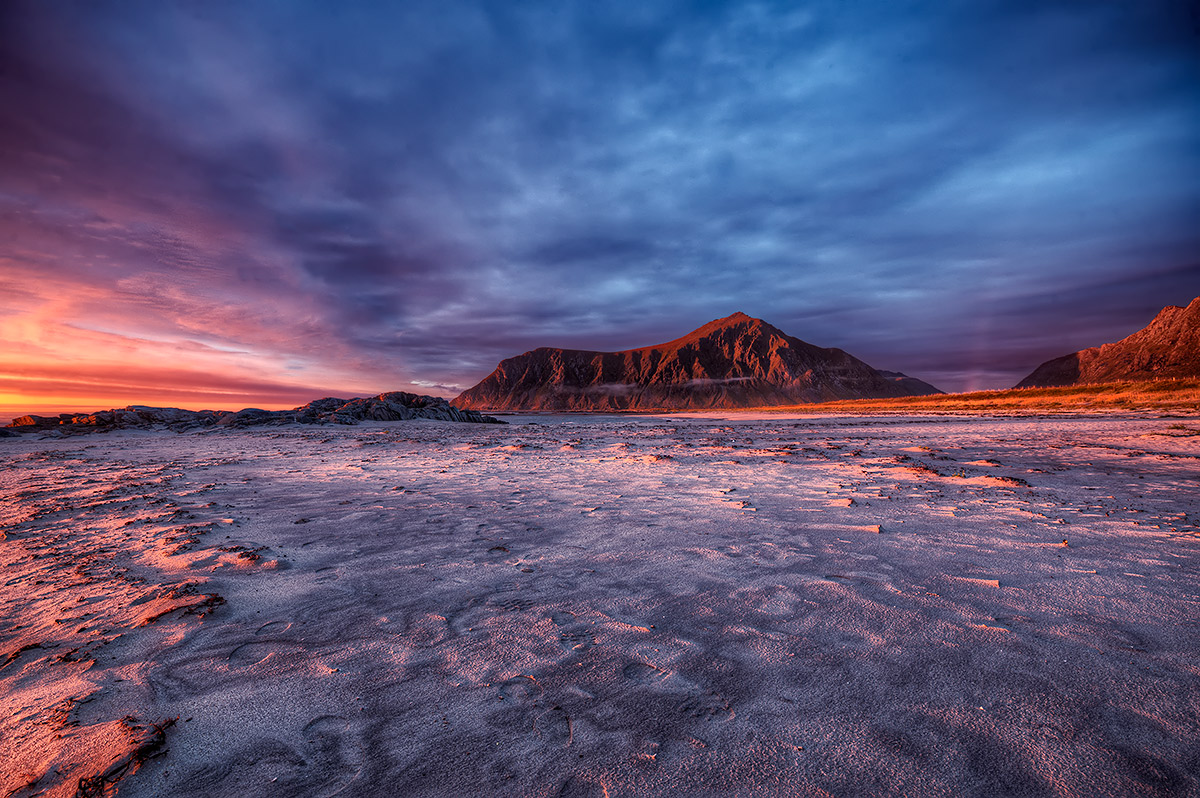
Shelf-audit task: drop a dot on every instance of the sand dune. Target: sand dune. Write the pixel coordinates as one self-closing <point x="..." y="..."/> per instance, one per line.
<point x="687" y="605"/>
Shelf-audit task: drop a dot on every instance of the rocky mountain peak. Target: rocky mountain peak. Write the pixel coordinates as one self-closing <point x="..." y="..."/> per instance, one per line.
<point x="1166" y="348"/>
<point x="736" y="361"/>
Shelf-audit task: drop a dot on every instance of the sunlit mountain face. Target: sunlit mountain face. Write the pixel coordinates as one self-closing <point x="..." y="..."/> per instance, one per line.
<point x="735" y="362"/>
<point x="260" y="204"/>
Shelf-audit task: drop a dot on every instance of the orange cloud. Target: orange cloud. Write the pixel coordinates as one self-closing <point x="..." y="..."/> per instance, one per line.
<point x="90" y="339"/>
<point x="50" y="367"/>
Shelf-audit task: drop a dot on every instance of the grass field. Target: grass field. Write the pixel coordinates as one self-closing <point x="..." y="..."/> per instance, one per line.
<point x="1164" y="395"/>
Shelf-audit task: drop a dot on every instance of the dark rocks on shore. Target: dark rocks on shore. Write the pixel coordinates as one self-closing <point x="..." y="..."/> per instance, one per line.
<point x="393" y="406"/>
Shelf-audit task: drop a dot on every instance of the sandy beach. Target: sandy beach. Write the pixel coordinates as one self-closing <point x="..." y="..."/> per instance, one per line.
<point x="693" y="605"/>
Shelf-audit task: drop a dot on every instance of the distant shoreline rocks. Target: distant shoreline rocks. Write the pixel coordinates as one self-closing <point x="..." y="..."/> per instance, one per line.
<point x="392" y="406"/>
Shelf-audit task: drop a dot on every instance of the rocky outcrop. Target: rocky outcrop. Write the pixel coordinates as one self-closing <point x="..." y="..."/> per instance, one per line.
<point x="738" y="361"/>
<point x="132" y="417"/>
<point x="1167" y="348"/>
<point x="394" y="406"/>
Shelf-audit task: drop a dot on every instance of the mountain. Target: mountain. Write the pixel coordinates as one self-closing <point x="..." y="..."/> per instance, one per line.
<point x="393" y="406"/>
<point x="738" y="361"/>
<point x="1167" y="348"/>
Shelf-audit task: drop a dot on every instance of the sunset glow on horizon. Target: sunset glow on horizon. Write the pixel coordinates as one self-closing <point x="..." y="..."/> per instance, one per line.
<point x="91" y="370"/>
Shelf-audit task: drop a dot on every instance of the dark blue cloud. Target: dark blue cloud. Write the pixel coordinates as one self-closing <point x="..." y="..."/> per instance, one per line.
<point x="959" y="190"/>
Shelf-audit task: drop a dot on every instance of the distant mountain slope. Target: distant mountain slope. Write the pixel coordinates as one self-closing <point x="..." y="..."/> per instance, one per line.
<point x="1167" y="348"/>
<point x="733" y="362"/>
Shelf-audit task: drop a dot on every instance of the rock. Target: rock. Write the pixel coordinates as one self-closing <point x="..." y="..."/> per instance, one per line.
<point x="251" y="417"/>
<point x="1167" y="348"/>
<point x="31" y="421"/>
<point x="738" y="361"/>
<point x="394" y="406"/>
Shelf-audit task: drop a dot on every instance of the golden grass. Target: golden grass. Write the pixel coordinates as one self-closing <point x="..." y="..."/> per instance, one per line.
<point x="1114" y="397"/>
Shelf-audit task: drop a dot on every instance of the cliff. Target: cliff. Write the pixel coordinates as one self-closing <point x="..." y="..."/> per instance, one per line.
<point x="1167" y="348"/>
<point x="738" y="361"/>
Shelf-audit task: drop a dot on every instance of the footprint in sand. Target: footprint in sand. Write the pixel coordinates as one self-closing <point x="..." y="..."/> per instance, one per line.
<point x="465" y="618"/>
<point x="523" y="694"/>
<point x="776" y="600"/>
<point x="520" y="689"/>
<point x="335" y="755"/>
<point x="643" y="673"/>
<point x="182" y="679"/>
<point x="706" y="705"/>
<point x="324" y="762"/>
<point x="513" y="604"/>
<point x="694" y="703"/>
<point x="578" y="639"/>
<point x="573" y="636"/>
<point x="554" y="727"/>
<point x="256" y="651"/>
<point x="426" y="630"/>
<point x="273" y="628"/>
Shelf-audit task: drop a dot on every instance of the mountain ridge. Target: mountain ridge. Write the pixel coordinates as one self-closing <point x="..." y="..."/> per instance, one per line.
<point x="1166" y="348"/>
<point x="735" y="361"/>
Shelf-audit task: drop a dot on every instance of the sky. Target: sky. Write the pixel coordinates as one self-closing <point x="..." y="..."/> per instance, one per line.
<point x="229" y="204"/>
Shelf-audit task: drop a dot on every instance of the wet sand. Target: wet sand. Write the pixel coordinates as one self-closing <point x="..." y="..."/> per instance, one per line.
<point x="586" y="606"/>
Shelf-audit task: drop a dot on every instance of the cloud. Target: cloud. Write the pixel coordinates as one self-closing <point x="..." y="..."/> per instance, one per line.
<point x="384" y="196"/>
